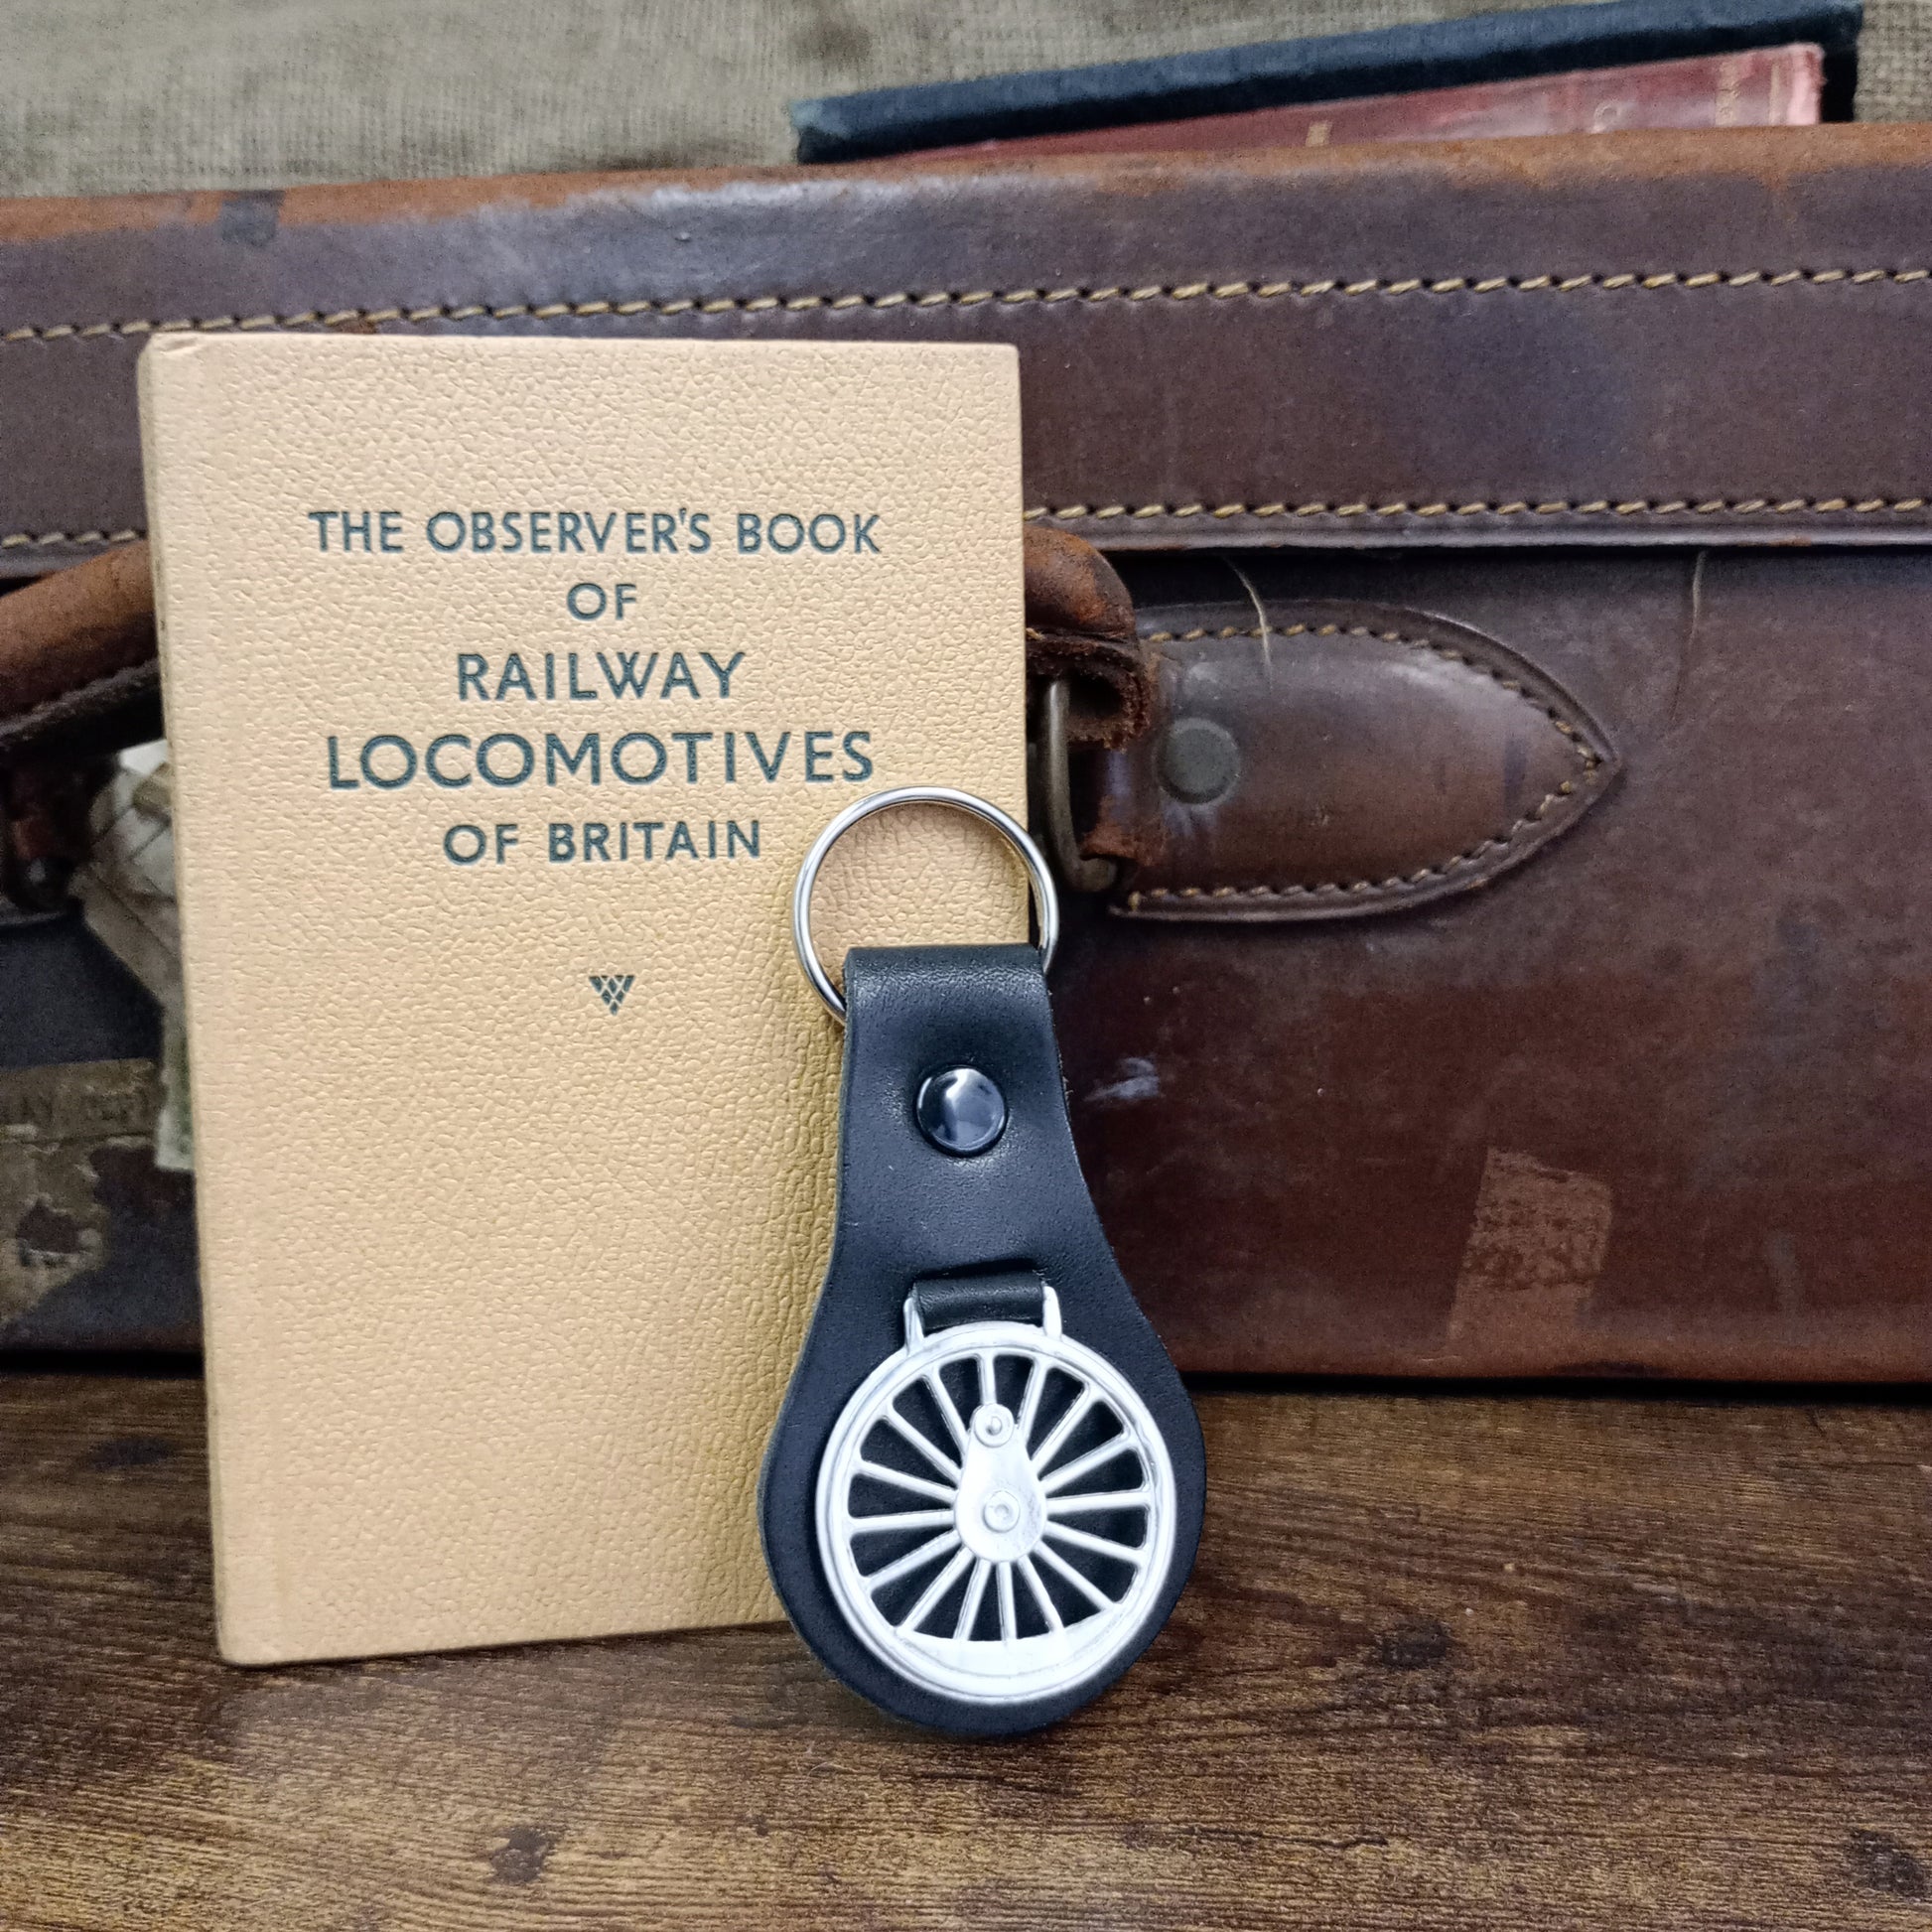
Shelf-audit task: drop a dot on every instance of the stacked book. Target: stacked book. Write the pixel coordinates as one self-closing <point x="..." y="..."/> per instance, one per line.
<point x="1570" y="69"/>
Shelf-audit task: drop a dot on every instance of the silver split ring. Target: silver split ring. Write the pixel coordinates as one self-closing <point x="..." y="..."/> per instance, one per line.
<point x="1046" y="902"/>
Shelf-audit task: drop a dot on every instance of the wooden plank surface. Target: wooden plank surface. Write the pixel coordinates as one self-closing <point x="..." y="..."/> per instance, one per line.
<point x="1448" y="1661"/>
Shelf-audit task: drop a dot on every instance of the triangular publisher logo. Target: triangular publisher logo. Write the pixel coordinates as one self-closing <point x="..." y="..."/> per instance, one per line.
<point x="611" y="988"/>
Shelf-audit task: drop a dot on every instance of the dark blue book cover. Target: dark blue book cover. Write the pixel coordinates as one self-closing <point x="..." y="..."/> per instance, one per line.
<point x="1281" y="74"/>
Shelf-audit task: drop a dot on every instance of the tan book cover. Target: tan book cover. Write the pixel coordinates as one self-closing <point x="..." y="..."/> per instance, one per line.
<point x="507" y="682"/>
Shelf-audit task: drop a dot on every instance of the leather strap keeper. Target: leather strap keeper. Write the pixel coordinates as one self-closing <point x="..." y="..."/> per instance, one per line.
<point x="78" y="671"/>
<point x="945" y="1303"/>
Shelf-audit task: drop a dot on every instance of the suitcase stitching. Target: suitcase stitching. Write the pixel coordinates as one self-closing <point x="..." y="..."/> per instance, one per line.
<point x="1223" y="291"/>
<point x="969" y="298"/>
<point x="1079" y="512"/>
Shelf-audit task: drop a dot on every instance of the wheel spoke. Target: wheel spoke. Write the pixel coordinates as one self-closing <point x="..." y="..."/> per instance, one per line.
<point x="975" y="1594"/>
<point x="936" y="1590"/>
<point x="985" y="1378"/>
<point x="900" y="1480"/>
<point x="905" y="1519"/>
<point x="913" y="1559"/>
<point x="1049" y="1607"/>
<point x="932" y="1453"/>
<point x="947" y="1409"/>
<point x="1073" y="1577"/>
<point x="1121" y="1445"/>
<point x="1030" y="1402"/>
<point x="1009" y="1622"/>
<point x="1067" y="1424"/>
<point x="1099" y="1499"/>
<point x="1100" y="1545"/>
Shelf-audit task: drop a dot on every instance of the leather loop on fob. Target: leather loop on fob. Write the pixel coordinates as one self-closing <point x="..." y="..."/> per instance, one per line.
<point x="983" y="1492"/>
<point x="941" y="1305"/>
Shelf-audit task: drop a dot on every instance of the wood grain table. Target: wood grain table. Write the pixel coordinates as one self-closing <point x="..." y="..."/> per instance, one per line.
<point x="1449" y="1660"/>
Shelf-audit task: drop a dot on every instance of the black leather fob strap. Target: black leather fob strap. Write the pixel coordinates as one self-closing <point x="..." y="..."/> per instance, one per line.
<point x="975" y="1238"/>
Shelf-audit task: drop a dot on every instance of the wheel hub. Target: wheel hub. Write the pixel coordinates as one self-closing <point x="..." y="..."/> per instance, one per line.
<point x="1001" y="1511"/>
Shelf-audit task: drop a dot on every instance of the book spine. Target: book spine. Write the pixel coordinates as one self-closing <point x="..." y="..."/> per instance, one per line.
<point x="1340" y="67"/>
<point x="1762" y="87"/>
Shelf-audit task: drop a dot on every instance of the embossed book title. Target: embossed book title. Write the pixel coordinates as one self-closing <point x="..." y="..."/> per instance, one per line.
<point x="663" y="735"/>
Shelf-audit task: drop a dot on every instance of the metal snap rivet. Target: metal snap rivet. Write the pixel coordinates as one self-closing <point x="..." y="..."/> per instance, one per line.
<point x="961" y="1111"/>
<point x="1200" y="760"/>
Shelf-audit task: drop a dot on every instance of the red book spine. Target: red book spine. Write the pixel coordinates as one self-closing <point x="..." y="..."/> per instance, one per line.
<point x="1770" y="86"/>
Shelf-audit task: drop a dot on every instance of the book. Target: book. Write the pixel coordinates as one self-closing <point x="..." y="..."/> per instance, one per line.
<point x="1482" y="47"/>
<point x="1761" y="87"/>
<point x="507" y="682"/>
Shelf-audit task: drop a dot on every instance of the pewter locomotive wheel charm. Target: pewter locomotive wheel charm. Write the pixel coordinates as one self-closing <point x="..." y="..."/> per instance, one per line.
<point x="1037" y="1500"/>
<point x="982" y="1496"/>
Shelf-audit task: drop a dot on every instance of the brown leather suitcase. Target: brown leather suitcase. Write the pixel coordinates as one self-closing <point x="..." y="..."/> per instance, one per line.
<point x="1499" y="824"/>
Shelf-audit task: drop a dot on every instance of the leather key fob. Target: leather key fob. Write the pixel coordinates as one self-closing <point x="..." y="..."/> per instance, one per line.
<point x="983" y="1494"/>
